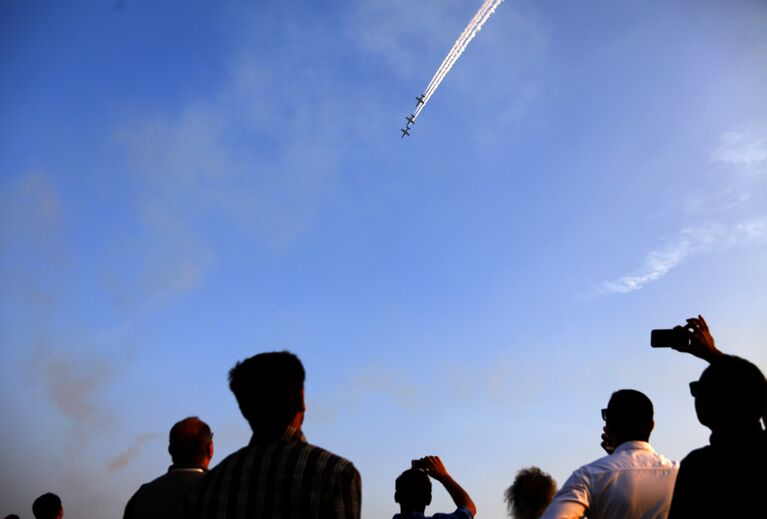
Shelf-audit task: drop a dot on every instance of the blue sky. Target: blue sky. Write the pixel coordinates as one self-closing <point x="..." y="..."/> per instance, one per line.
<point x="184" y="184"/>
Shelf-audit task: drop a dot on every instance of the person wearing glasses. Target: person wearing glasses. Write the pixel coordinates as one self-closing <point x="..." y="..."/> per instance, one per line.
<point x="728" y="477"/>
<point x="633" y="481"/>
<point x="191" y="449"/>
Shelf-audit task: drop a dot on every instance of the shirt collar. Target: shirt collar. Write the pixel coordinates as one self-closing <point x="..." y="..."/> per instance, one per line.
<point x="291" y="434"/>
<point x="633" y="446"/>
<point x="186" y="468"/>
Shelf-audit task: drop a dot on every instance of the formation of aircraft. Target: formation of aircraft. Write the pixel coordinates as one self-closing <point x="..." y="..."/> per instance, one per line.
<point x="411" y="118"/>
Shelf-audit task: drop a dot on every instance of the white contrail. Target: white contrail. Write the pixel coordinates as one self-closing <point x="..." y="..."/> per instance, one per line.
<point x="457" y="45"/>
<point x="485" y="11"/>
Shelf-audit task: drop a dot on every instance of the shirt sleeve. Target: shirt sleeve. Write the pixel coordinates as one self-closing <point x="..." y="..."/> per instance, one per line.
<point x="572" y="500"/>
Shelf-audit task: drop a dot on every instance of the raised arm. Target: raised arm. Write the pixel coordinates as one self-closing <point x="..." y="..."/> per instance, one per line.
<point x="436" y="469"/>
<point x="701" y="343"/>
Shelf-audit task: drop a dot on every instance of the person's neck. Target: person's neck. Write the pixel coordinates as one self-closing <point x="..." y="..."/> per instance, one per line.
<point x="731" y="433"/>
<point x="620" y="441"/>
<point x="411" y="509"/>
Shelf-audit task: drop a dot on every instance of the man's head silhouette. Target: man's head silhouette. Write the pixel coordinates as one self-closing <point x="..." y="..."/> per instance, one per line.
<point x="269" y="388"/>
<point x="191" y="443"/>
<point x="48" y="506"/>
<point x="412" y="490"/>
<point x="730" y="394"/>
<point x="629" y="416"/>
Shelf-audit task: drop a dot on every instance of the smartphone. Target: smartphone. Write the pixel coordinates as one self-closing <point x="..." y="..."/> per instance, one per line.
<point x="674" y="337"/>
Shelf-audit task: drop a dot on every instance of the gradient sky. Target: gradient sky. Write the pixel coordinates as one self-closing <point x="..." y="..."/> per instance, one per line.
<point x="185" y="184"/>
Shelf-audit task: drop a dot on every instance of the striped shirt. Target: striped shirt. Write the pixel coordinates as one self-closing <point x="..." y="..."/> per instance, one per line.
<point x="282" y="479"/>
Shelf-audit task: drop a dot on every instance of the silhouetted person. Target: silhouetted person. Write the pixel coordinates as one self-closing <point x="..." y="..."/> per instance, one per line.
<point x="701" y="344"/>
<point x="413" y="491"/>
<point x="632" y="481"/>
<point x="191" y="449"/>
<point x="12" y="516"/>
<point x="277" y="474"/>
<point x="48" y="506"/>
<point x="530" y="494"/>
<point x="727" y="478"/>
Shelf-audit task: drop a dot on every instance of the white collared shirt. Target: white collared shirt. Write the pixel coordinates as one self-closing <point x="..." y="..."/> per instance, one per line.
<point x="634" y="482"/>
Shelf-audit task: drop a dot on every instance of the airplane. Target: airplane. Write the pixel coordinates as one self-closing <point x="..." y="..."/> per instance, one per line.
<point x="405" y="131"/>
<point x="410" y="120"/>
<point x="420" y="99"/>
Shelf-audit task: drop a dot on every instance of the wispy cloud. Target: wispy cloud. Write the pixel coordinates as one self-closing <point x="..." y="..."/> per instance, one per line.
<point x="688" y="242"/>
<point x="745" y="150"/>
<point x="123" y="459"/>
<point x="74" y="383"/>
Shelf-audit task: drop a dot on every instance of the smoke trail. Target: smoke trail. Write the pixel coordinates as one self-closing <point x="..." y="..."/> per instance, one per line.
<point x="457" y="45"/>
<point x="477" y="27"/>
<point x="473" y="28"/>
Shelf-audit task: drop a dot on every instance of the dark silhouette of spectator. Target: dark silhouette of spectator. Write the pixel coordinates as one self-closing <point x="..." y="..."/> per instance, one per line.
<point x="701" y="344"/>
<point x="413" y="491"/>
<point x="48" y="506"/>
<point x="191" y="449"/>
<point x="728" y="477"/>
<point x="12" y="516"/>
<point x="277" y="474"/>
<point x="632" y="481"/>
<point x="530" y="494"/>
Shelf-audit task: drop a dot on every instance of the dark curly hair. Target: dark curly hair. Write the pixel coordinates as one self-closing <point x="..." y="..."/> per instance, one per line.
<point x="530" y="494"/>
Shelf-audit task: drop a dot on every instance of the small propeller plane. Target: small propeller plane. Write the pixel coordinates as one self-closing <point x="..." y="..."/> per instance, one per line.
<point x="405" y="131"/>
<point x="410" y="120"/>
<point x="420" y="99"/>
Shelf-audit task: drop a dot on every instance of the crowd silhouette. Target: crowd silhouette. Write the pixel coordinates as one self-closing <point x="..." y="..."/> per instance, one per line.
<point x="279" y="475"/>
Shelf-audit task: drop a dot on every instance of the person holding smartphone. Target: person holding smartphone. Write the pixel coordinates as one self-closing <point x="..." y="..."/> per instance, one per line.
<point x="413" y="491"/>
<point x="726" y="478"/>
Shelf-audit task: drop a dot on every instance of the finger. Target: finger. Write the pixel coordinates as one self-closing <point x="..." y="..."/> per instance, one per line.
<point x="703" y="323"/>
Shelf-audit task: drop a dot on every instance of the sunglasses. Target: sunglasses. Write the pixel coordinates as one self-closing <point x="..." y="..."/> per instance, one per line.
<point x="695" y="388"/>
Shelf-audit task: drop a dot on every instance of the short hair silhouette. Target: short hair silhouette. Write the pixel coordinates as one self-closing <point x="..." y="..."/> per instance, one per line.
<point x="630" y="415"/>
<point x="733" y="392"/>
<point x="530" y="494"/>
<point x="412" y="489"/>
<point x="12" y="516"/>
<point x="47" y="506"/>
<point x="269" y="389"/>
<point x="189" y="441"/>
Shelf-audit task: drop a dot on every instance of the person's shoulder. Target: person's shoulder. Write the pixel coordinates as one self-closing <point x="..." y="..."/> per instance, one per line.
<point x="697" y="457"/>
<point x="340" y="463"/>
<point x="461" y="513"/>
<point x="603" y="464"/>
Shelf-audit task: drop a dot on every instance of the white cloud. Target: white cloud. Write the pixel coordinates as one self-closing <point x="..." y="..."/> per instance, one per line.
<point x="687" y="243"/>
<point x="745" y="150"/>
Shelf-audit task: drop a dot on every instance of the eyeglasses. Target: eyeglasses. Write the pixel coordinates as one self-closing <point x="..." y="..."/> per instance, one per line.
<point x="604" y="414"/>
<point x="695" y="388"/>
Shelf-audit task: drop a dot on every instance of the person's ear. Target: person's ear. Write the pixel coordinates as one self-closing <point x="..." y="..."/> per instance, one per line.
<point x="652" y="425"/>
<point x="396" y="497"/>
<point x="428" y="500"/>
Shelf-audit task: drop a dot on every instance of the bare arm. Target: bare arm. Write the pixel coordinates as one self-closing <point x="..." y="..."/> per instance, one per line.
<point x="436" y="469"/>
